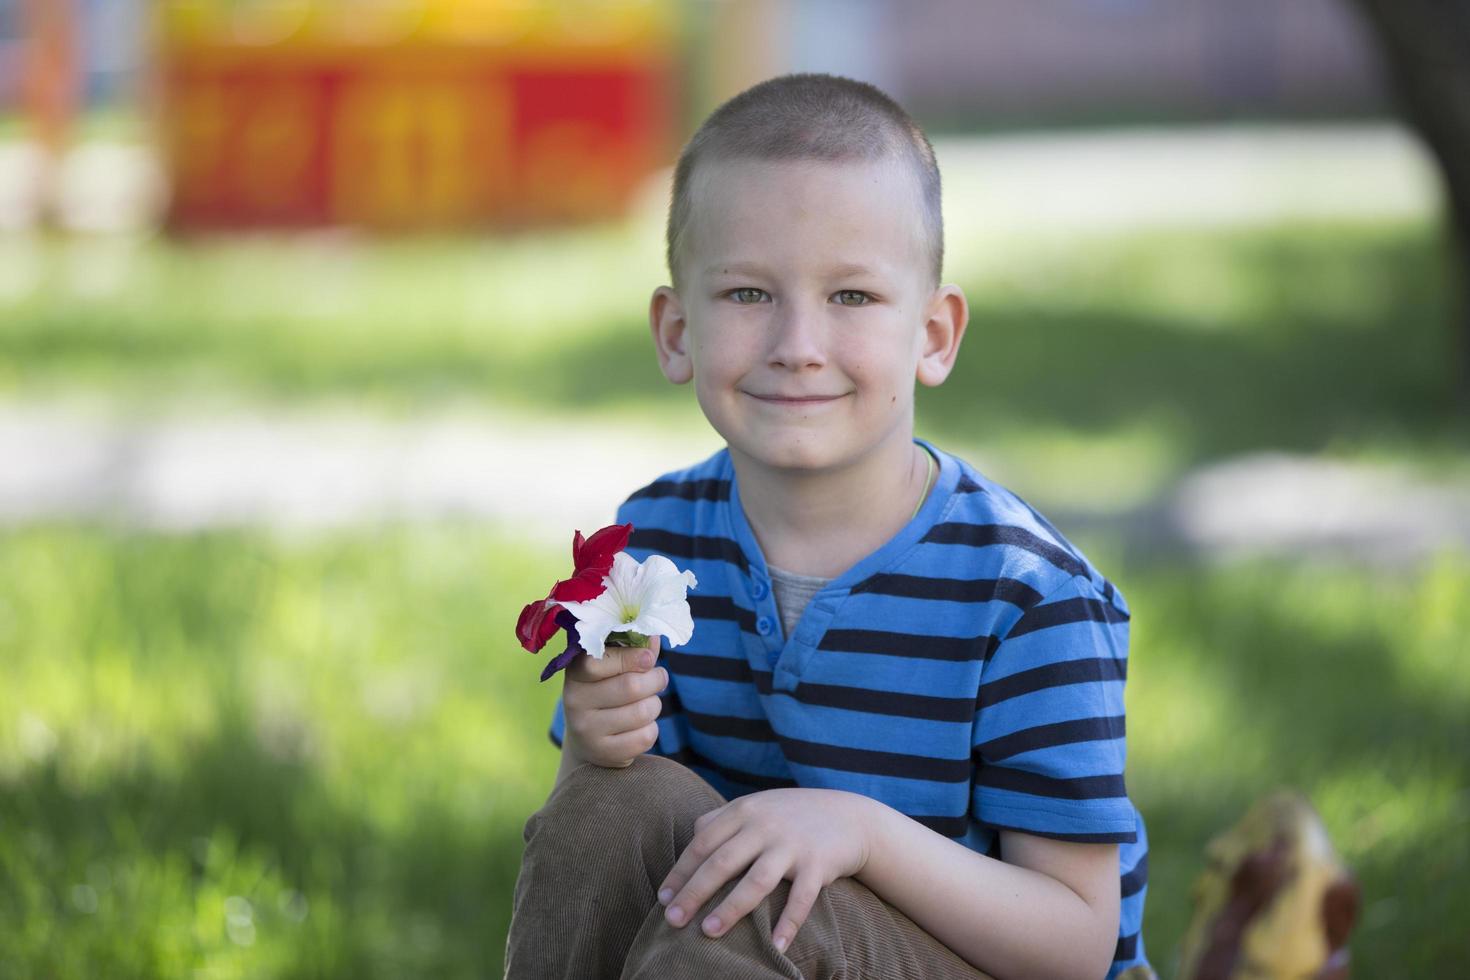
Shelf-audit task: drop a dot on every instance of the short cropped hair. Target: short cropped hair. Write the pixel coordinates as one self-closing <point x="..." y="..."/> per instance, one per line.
<point x="811" y="117"/>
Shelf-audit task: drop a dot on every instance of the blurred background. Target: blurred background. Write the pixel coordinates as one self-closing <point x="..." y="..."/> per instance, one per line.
<point x="306" y="304"/>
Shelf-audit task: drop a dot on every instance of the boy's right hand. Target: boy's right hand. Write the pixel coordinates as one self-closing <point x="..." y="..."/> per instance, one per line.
<point x="612" y="705"/>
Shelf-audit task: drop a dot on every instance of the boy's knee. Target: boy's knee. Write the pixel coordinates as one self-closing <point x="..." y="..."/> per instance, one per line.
<point x="595" y="805"/>
<point x="746" y="950"/>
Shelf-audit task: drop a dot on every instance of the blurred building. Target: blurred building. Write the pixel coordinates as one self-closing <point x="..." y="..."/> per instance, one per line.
<point x="412" y="113"/>
<point x="1007" y="61"/>
<point x="436" y="113"/>
<point x="988" y="63"/>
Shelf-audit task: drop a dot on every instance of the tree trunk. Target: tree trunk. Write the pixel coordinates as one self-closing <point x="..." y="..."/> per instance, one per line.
<point x="1426" y="50"/>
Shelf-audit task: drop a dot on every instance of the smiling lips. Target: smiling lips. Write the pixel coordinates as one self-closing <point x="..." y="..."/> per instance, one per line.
<point x="794" y="399"/>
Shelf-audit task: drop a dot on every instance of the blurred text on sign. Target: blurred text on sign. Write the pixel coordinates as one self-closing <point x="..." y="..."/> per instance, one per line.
<point x="300" y="122"/>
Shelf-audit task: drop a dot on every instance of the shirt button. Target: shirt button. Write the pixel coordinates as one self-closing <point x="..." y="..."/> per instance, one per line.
<point x="760" y="591"/>
<point x="763" y="626"/>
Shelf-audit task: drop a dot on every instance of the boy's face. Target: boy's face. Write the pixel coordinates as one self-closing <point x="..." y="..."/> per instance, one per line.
<point x="806" y="311"/>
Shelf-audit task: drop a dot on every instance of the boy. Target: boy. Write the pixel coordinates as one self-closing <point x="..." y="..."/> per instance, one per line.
<point x="897" y="732"/>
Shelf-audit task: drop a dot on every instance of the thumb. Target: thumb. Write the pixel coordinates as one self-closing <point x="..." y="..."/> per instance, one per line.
<point x="630" y="659"/>
<point x="615" y="661"/>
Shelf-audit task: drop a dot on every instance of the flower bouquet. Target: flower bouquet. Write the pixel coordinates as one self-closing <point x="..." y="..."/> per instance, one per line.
<point x="610" y="600"/>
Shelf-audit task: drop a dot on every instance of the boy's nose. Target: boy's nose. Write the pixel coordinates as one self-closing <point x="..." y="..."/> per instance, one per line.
<point x="797" y="338"/>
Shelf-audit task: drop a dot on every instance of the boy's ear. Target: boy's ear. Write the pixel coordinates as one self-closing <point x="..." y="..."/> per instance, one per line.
<point x="944" y="328"/>
<point x="670" y="335"/>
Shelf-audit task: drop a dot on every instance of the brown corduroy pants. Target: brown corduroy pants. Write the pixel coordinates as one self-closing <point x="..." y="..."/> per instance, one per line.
<point x="585" y="904"/>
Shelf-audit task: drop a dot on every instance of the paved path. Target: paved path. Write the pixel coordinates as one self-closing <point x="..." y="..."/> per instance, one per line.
<point x="294" y="472"/>
<point x="323" y="469"/>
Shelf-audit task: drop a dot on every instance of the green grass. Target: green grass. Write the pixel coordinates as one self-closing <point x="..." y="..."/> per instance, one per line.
<point x="342" y="734"/>
<point x="306" y="759"/>
<point x="1345" y="685"/>
<point x="239" y="755"/>
<point x="1170" y="347"/>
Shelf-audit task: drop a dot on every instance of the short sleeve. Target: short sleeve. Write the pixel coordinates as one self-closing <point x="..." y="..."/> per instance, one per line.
<point x="1049" y="745"/>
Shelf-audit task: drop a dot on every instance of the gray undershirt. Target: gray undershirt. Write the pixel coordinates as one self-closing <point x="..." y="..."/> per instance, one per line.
<point x="792" y="592"/>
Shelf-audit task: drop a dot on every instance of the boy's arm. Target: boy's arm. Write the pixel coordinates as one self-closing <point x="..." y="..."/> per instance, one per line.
<point x="1049" y="910"/>
<point x="1053" y="913"/>
<point x="1052" y="908"/>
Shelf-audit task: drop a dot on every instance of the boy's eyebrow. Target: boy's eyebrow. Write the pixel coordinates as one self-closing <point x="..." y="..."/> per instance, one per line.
<point x="754" y="269"/>
<point x="736" y="267"/>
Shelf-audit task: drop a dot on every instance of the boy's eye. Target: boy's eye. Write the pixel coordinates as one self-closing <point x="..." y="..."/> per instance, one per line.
<point x="746" y="295"/>
<point x="852" y="297"/>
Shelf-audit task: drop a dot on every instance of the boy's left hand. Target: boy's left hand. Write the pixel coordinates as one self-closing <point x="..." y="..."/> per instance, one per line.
<point x="810" y="836"/>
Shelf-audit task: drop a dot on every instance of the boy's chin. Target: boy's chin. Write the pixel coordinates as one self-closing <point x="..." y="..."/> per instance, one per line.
<point x="793" y="458"/>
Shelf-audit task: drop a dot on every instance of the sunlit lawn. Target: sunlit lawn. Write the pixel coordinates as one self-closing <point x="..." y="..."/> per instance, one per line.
<point x="237" y="755"/>
<point x="1148" y="353"/>
<point x="314" y="759"/>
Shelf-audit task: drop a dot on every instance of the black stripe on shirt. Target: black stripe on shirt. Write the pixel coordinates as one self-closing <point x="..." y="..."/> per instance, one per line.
<point x="1032" y="783"/>
<point x="708" y="666"/>
<point x="688" y="757"/>
<point x="1121" y="837"/>
<point x="876" y="763"/>
<point x="712" y="490"/>
<point x="967" y="485"/>
<point x="1127" y="948"/>
<point x="924" y="706"/>
<point x="1052" y="675"/>
<point x="1065" y="612"/>
<point x="669" y="705"/>
<point x="1050" y="736"/>
<point x="1134" y="880"/>
<point x="982" y="535"/>
<point x="1036" y="514"/>
<point x="954" y="589"/>
<point x="955" y="649"/>
<point x="722" y="608"/>
<point x="731" y="726"/>
<point x="948" y="826"/>
<point x="688" y="546"/>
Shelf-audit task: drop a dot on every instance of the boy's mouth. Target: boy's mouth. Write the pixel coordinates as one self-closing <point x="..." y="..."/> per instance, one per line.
<point x="781" y="399"/>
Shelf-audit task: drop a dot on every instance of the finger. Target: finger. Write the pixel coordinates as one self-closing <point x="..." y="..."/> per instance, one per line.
<point x="708" y="837"/>
<point x="701" y="821"/>
<point x="728" y="860"/>
<point x="623" y="718"/>
<point x="619" y="691"/>
<point x="615" y="661"/>
<point x="759" y="881"/>
<point x="688" y="861"/>
<point x="695" y="852"/>
<point x="627" y="746"/>
<point x="799" y="902"/>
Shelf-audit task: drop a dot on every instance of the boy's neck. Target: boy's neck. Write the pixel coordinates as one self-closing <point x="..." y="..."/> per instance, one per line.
<point x="823" y="523"/>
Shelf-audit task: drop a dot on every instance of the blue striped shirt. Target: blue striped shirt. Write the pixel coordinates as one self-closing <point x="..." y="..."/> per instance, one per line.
<point x="969" y="673"/>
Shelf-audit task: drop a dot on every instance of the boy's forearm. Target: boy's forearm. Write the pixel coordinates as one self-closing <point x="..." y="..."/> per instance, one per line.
<point x="1006" y="920"/>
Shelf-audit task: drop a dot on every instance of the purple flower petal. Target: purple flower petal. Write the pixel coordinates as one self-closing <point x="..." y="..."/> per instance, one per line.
<point x="560" y="661"/>
<point x="567" y="622"/>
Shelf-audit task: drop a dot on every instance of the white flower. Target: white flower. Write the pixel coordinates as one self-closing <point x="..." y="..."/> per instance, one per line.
<point x="649" y="598"/>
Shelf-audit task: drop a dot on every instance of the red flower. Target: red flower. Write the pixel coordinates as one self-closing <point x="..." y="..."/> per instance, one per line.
<point x="592" y="559"/>
<point x="537" y="624"/>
